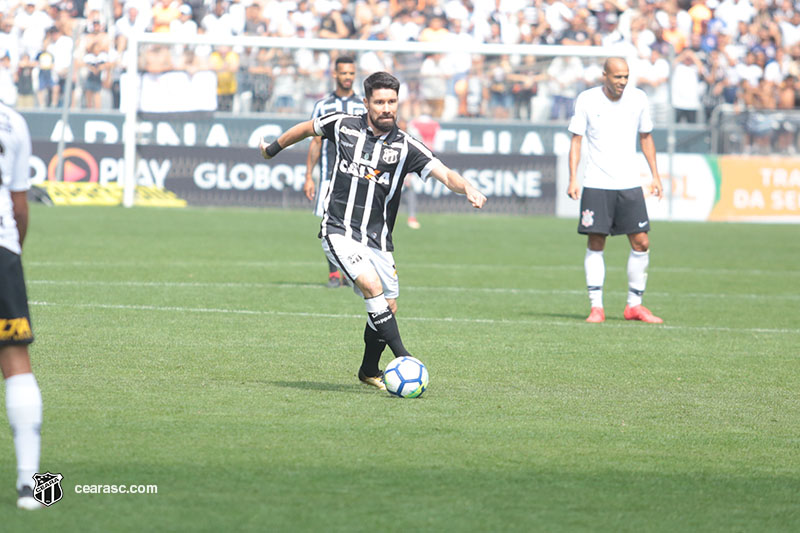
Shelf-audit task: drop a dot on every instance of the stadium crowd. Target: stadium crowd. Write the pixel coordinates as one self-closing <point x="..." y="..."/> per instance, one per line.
<point x="745" y="53"/>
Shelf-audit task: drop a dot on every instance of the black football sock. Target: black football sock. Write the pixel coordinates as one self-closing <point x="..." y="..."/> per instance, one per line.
<point x="373" y="348"/>
<point x="386" y="327"/>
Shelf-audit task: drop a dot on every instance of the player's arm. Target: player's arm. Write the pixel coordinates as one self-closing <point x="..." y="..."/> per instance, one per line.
<point x="19" y="184"/>
<point x="574" y="190"/>
<point x="458" y="184"/>
<point x="649" y="151"/>
<point x="19" y="200"/>
<point x="293" y="135"/>
<point x="312" y="159"/>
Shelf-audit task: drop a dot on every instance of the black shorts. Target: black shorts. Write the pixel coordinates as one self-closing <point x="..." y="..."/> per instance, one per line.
<point x="15" y="320"/>
<point x="613" y="212"/>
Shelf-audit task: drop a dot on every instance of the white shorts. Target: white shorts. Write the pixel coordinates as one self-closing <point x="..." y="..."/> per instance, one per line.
<point x="354" y="258"/>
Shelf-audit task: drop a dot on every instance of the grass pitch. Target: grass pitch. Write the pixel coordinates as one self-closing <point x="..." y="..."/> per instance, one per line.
<point x="198" y="350"/>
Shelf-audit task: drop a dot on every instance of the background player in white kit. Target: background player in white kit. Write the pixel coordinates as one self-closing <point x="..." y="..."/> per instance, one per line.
<point x="612" y="203"/>
<point x="23" y="398"/>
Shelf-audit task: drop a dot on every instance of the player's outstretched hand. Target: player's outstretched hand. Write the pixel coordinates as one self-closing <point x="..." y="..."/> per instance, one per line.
<point x="475" y="197"/>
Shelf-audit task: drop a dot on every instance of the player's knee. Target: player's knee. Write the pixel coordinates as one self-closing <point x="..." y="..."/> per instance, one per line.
<point x="14" y="360"/>
<point x="641" y="244"/>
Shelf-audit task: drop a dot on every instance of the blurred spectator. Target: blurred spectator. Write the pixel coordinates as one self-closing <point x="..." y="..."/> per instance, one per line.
<point x="564" y="75"/>
<point x="578" y="33"/>
<point x="559" y="15"/>
<point x="164" y="12"/>
<point x="435" y="31"/>
<point x="131" y="21"/>
<point x="260" y="70"/>
<point x="674" y="35"/>
<point x="220" y="22"/>
<point x="700" y="14"/>
<point x="652" y="75"/>
<point x="117" y="61"/>
<point x="32" y="24"/>
<point x="313" y="67"/>
<point x="303" y="17"/>
<point x="788" y="98"/>
<point x="734" y="12"/>
<point x="472" y="91"/>
<point x="403" y="27"/>
<point x="225" y="62"/>
<point x="183" y="25"/>
<point x="433" y="85"/>
<point x="24" y="80"/>
<point x="285" y="89"/>
<point x="337" y="24"/>
<point x="524" y="86"/>
<point x="48" y="83"/>
<point x="686" y="86"/>
<point x="95" y="61"/>
<point x="500" y="100"/>
<point x="8" y="90"/>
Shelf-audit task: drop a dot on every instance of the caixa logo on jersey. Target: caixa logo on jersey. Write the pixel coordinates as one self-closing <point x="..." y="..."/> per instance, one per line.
<point x="362" y="171"/>
<point x="48" y="488"/>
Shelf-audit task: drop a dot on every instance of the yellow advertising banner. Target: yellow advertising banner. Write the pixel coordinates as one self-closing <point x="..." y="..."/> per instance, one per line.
<point x="88" y="193"/>
<point x="758" y="189"/>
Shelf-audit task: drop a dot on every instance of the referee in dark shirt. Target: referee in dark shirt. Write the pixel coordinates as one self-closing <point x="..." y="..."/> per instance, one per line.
<point x="360" y="206"/>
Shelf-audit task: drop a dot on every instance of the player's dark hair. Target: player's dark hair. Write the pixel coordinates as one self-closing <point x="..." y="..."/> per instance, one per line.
<point x="343" y="59"/>
<point x="380" y="80"/>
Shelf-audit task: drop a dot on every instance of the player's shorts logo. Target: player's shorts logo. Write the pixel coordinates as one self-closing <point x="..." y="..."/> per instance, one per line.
<point x="48" y="488"/>
<point x="587" y="218"/>
<point x="389" y="156"/>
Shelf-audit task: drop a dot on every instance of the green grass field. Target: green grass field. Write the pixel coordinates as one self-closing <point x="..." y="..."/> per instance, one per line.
<point x="198" y="350"/>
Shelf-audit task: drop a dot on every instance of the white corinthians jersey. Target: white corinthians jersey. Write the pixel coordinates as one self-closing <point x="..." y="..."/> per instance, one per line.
<point x="611" y="129"/>
<point x="367" y="178"/>
<point x="15" y="151"/>
<point x="352" y="105"/>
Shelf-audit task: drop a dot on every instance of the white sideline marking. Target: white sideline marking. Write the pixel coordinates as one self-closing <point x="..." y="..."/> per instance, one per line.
<point x="267" y="264"/>
<point x="493" y="290"/>
<point x="571" y="323"/>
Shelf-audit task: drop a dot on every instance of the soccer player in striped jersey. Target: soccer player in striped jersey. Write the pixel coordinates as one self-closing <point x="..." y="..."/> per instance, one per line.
<point x="360" y="206"/>
<point x="23" y="398"/>
<point x="343" y="99"/>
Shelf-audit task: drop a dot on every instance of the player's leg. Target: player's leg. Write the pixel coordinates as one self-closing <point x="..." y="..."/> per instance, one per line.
<point x="24" y="409"/>
<point x="634" y="222"/>
<point x="597" y="210"/>
<point x="374" y="278"/>
<point x="23" y="398"/>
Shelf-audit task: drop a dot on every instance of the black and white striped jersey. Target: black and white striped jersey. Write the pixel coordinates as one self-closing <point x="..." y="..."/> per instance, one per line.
<point x="367" y="179"/>
<point x="352" y="105"/>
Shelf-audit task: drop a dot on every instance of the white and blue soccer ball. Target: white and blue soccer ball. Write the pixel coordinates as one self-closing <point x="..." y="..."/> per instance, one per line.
<point x="406" y="377"/>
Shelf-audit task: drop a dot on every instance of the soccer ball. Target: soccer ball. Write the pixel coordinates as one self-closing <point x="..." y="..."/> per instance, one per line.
<point x="406" y="377"/>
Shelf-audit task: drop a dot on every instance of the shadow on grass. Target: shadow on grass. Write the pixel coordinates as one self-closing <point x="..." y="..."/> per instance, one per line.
<point x="320" y="386"/>
<point x="578" y="318"/>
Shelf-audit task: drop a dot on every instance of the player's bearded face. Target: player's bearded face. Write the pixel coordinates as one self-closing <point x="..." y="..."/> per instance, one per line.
<point x="382" y="109"/>
<point x="345" y="75"/>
